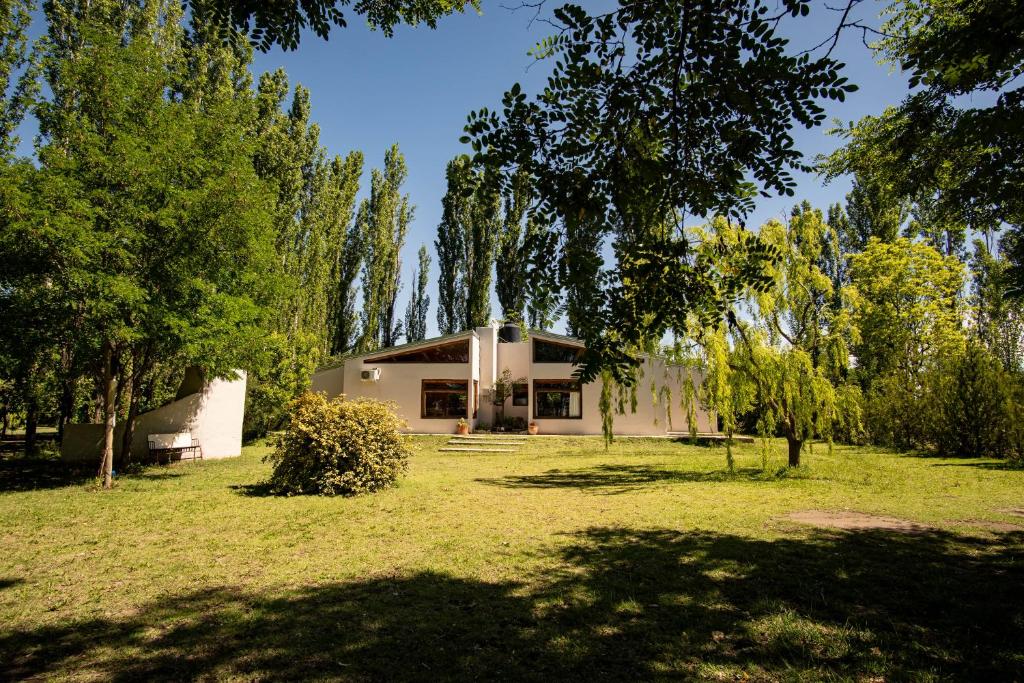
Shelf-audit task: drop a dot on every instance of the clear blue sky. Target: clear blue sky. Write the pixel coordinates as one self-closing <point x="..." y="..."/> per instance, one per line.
<point x="369" y="91"/>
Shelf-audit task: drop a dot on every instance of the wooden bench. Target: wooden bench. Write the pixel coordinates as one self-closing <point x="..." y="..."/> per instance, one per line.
<point x="164" y="447"/>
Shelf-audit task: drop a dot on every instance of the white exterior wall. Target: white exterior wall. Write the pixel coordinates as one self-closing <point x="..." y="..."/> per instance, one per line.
<point x="330" y="381"/>
<point x="516" y="357"/>
<point x="213" y="415"/>
<point x="401" y="383"/>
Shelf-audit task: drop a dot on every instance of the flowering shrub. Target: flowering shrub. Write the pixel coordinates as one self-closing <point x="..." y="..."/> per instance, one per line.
<point x="339" y="447"/>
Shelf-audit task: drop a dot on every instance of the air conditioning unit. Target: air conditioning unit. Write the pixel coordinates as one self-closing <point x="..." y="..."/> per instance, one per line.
<point x="370" y="375"/>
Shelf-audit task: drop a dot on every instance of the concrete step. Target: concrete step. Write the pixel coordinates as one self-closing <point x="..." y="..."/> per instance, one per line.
<point x="460" y="442"/>
<point x="477" y="450"/>
<point x="490" y="437"/>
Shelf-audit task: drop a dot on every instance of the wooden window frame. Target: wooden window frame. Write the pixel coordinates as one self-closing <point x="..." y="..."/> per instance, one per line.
<point x="533" y="352"/>
<point x="411" y="355"/>
<point x="525" y="394"/>
<point x="536" y="403"/>
<point x="423" y="397"/>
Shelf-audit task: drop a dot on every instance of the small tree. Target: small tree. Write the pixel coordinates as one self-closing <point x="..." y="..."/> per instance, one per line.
<point x="789" y="353"/>
<point x="504" y="386"/>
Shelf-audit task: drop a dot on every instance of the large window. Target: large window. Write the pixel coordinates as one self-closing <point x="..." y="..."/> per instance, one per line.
<point x="444" y="398"/>
<point x="520" y="395"/>
<point x="559" y="398"/>
<point x="551" y="352"/>
<point x="452" y="352"/>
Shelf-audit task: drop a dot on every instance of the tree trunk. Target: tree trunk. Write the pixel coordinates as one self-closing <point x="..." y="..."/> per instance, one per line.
<point x="6" y="422"/>
<point x="31" y="422"/>
<point x="134" y="398"/>
<point x="109" y="417"/>
<point x="794" y="450"/>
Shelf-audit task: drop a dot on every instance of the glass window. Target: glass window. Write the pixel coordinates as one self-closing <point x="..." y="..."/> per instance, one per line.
<point x="550" y="352"/>
<point x="445" y="398"/>
<point x="557" y="399"/>
<point x="520" y="395"/>
<point x="452" y="352"/>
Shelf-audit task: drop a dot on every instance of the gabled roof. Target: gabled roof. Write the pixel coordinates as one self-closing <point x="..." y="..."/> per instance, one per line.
<point x="562" y="338"/>
<point x="401" y="348"/>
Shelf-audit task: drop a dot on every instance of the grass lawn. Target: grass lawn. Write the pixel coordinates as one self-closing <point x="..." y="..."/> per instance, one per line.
<point x="563" y="561"/>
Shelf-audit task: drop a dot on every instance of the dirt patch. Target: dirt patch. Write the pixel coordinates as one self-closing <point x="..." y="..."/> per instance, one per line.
<point x="1019" y="512"/>
<point x="854" y="520"/>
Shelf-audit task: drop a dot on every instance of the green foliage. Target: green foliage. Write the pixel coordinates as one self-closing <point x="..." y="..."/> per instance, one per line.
<point x="979" y="407"/>
<point x="955" y="140"/>
<point x="788" y="357"/>
<point x="384" y="221"/>
<point x="906" y="305"/>
<point x="512" y="261"/>
<point x="654" y="112"/>
<point x="998" y="320"/>
<point x="466" y="239"/>
<point x="281" y="23"/>
<point x="419" y="301"/>
<point x="501" y="392"/>
<point x="15" y="92"/>
<point x="339" y="447"/>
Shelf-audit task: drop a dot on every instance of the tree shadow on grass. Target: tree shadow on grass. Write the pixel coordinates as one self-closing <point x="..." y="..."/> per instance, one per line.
<point x="20" y="473"/>
<point x="261" y="489"/>
<point x="615" y="479"/>
<point x="624" y="604"/>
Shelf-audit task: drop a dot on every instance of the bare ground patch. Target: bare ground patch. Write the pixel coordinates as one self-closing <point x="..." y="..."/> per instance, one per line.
<point x="844" y="519"/>
<point x="1018" y="512"/>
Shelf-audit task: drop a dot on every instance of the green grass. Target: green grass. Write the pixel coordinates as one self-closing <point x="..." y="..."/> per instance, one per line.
<point x="564" y="561"/>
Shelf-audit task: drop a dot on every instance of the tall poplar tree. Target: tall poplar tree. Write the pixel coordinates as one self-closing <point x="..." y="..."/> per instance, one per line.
<point x="386" y="215"/>
<point x="512" y="261"/>
<point x="455" y="210"/>
<point x="419" y="301"/>
<point x="466" y="240"/>
<point x="481" y="238"/>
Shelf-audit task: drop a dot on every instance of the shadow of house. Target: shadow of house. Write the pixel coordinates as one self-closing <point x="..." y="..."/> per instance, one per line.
<point x="211" y="410"/>
<point x="623" y="604"/>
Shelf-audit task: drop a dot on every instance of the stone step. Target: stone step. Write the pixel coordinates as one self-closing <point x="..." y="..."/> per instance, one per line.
<point x="458" y="441"/>
<point x="477" y="450"/>
<point x="489" y="437"/>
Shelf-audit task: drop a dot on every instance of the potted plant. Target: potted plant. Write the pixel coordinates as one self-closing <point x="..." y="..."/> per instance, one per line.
<point x="462" y="427"/>
<point x="531" y="428"/>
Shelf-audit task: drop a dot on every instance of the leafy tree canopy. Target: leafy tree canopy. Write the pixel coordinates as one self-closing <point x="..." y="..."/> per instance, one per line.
<point x="654" y="112"/>
<point x="281" y="23"/>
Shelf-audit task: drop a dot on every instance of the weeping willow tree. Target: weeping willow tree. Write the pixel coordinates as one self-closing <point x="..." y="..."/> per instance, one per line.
<point x="783" y="354"/>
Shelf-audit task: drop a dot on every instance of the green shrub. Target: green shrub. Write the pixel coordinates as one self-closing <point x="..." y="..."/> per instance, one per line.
<point x="339" y="447"/>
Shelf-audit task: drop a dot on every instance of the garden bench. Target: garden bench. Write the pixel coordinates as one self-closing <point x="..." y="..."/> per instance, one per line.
<point x="182" y="444"/>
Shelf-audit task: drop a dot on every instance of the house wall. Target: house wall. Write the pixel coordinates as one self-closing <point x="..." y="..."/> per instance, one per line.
<point x="401" y="384"/>
<point x="650" y="417"/>
<point x="515" y="357"/>
<point x="488" y="343"/>
<point x="330" y="381"/>
<point x="213" y="415"/>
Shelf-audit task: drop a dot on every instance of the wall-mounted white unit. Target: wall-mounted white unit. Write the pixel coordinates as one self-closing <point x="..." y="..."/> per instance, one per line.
<point x="370" y="375"/>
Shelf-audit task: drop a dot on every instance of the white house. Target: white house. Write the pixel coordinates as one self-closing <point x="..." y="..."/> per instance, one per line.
<point x="436" y="382"/>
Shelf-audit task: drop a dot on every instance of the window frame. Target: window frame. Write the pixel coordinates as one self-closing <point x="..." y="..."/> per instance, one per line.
<point x="533" y="351"/>
<point x="419" y="354"/>
<point x="536" y="402"/>
<point x="423" y="397"/>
